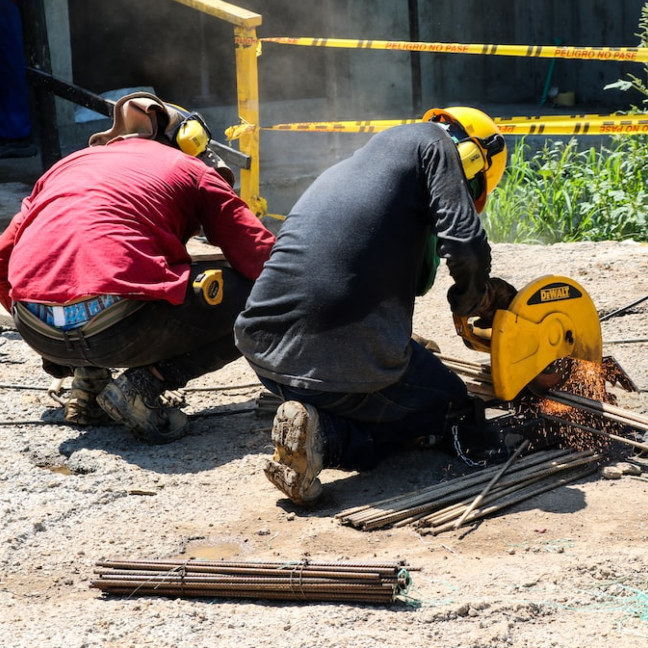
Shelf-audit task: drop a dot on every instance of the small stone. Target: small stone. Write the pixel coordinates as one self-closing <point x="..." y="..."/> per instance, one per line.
<point x="628" y="468"/>
<point x="611" y="472"/>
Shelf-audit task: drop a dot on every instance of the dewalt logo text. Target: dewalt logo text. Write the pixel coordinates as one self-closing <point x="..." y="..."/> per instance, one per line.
<point x="554" y="294"/>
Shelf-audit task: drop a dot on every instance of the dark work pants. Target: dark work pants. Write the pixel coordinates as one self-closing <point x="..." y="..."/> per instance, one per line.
<point x="363" y="429"/>
<point x="183" y="341"/>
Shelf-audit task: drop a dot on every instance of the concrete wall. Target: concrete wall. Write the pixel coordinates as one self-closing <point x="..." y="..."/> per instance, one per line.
<point x="495" y="79"/>
<point x="189" y="59"/>
<point x="58" y="34"/>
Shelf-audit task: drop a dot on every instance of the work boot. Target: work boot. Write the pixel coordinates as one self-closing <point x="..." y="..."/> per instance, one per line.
<point x="133" y="400"/>
<point x="299" y="452"/>
<point x="81" y="407"/>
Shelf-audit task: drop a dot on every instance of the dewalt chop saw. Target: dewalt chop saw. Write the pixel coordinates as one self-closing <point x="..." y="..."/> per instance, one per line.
<point x="549" y="321"/>
<point x="546" y="349"/>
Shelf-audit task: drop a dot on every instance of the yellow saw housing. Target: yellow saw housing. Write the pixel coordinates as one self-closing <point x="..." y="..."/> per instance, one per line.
<point x="551" y="318"/>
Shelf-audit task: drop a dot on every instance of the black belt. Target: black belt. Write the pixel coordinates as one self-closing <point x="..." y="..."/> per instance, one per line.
<point x="98" y="323"/>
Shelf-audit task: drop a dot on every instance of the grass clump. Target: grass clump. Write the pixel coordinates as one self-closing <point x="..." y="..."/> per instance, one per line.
<point x="561" y="193"/>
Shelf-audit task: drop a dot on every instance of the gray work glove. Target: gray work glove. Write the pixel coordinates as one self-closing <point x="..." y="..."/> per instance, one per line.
<point x="498" y="295"/>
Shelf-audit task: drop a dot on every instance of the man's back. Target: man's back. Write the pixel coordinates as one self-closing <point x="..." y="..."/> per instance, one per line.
<point x="334" y="303"/>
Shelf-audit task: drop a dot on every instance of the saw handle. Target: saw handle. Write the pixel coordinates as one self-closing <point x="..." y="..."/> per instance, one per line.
<point x="478" y="339"/>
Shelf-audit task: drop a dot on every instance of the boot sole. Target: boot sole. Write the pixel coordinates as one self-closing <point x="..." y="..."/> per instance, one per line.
<point x="291" y="468"/>
<point x="110" y="399"/>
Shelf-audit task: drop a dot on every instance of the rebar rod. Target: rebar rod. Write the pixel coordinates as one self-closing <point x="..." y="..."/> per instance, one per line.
<point x="500" y="492"/>
<point x="106" y="581"/>
<point x="505" y="489"/>
<point x="221" y="387"/>
<point x="477" y="501"/>
<point x="467" y="368"/>
<point x="463" y="486"/>
<point x="623" y="309"/>
<point x="200" y="565"/>
<point x="441" y="516"/>
<point x="516" y="498"/>
<point x="432" y="501"/>
<point x="227" y="573"/>
<point x="605" y="410"/>
<point x="592" y="430"/>
<point x="355" y="597"/>
<point x="423" y="496"/>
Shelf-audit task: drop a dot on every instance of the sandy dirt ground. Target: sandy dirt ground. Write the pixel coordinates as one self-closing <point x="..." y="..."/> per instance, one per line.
<point x="567" y="569"/>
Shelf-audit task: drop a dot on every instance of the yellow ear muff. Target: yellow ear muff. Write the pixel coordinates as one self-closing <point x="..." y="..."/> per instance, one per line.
<point x="192" y="137"/>
<point x="472" y="158"/>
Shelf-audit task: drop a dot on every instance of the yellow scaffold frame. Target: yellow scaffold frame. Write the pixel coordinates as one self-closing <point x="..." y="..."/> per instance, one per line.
<point x="247" y="83"/>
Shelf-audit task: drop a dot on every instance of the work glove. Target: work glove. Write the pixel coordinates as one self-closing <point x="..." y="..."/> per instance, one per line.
<point x="498" y="295"/>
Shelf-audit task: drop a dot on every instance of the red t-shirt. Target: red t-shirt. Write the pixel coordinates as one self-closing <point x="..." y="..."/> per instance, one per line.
<point x="115" y="219"/>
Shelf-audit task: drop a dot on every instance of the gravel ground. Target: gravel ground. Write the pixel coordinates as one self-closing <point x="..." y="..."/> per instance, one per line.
<point x="568" y="568"/>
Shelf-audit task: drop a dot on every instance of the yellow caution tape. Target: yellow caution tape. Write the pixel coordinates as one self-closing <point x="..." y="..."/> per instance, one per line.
<point x="234" y="132"/>
<point x="258" y="205"/>
<point x="540" y="125"/>
<point x="637" y="54"/>
<point x="537" y="125"/>
<point x="574" y="125"/>
<point x="372" y="126"/>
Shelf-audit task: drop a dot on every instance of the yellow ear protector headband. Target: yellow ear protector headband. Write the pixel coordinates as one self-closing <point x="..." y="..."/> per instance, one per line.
<point x="192" y="134"/>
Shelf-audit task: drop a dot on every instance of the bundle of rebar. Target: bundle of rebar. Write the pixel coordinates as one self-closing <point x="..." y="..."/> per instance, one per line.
<point x="302" y="580"/>
<point x="267" y="403"/>
<point x="439" y="507"/>
<point x="477" y="376"/>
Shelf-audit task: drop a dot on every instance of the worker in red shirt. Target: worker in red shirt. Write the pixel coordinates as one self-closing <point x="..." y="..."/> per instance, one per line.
<point x="96" y="271"/>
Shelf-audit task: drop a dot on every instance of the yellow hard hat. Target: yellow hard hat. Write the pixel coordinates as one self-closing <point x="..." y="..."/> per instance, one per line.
<point x="480" y="144"/>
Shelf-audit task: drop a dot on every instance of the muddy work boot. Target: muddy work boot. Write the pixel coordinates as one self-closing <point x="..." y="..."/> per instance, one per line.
<point x="299" y="452"/>
<point x="81" y="407"/>
<point x="133" y="400"/>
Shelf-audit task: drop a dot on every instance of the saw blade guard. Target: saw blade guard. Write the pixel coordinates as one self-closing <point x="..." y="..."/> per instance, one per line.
<point x="551" y="318"/>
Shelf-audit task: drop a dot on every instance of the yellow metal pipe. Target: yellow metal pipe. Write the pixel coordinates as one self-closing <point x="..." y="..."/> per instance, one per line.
<point x="225" y="11"/>
<point x="247" y="83"/>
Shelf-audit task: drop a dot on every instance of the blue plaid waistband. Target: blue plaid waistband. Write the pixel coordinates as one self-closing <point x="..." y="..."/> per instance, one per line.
<point x="73" y="315"/>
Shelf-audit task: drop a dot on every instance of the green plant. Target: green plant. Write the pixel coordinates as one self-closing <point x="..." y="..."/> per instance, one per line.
<point x="632" y="81"/>
<point x="561" y="193"/>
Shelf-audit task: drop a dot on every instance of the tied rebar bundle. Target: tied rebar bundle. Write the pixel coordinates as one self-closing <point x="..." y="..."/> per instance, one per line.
<point x="303" y="580"/>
